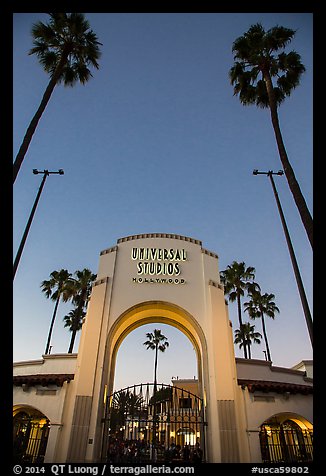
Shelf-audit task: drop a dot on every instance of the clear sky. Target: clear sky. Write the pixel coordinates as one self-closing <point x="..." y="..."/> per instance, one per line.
<point x="156" y="142"/>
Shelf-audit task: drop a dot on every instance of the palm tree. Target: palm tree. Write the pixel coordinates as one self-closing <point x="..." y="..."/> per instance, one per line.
<point x="127" y="402"/>
<point x="56" y="287"/>
<point x="79" y="290"/>
<point x="256" y="65"/>
<point x="65" y="47"/>
<point x="259" y="306"/>
<point x="158" y="342"/>
<point x="245" y="335"/>
<point x="124" y="403"/>
<point x="74" y="320"/>
<point x="236" y="278"/>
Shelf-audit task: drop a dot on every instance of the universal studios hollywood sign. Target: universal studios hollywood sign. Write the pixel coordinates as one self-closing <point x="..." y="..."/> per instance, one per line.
<point x="158" y="265"/>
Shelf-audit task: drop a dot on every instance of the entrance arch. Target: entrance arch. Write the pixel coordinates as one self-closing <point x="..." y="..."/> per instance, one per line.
<point x="184" y="292"/>
<point x="30" y="434"/>
<point x="151" y="312"/>
<point x="152" y="422"/>
<point x="286" y="438"/>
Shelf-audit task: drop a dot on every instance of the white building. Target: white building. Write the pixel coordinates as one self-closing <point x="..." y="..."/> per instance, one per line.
<point x="239" y="410"/>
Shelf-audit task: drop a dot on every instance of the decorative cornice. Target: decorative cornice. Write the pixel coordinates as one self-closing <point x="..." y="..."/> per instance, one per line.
<point x="109" y="250"/>
<point x="101" y="281"/>
<point x="278" y="387"/>
<point x="209" y="253"/>
<point x="159" y="235"/>
<point x="42" y="379"/>
<point x="215" y="284"/>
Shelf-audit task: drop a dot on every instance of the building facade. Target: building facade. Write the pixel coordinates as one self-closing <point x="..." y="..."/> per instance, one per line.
<point x="237" y="411"/>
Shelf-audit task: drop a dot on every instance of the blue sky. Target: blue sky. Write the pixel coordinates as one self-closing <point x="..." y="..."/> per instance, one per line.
<point x="156" y="142"/>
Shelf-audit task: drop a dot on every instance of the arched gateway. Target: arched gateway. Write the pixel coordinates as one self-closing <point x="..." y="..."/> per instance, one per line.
<point x="155" y="278"/>
<point x="153" y="422"/>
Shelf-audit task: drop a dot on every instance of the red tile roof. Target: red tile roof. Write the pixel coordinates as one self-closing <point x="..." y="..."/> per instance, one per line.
<point x="42" y="379"/>
<point x="278" y="387"/>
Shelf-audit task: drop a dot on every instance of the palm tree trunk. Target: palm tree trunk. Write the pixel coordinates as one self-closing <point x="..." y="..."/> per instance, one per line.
<point x="265" y="337"/>
<point x="73" y="337"/>
<point x="240" y="324"/>
<point x="79" y="311"/>
<point x="155" y="367"/>
<point x="72" y="341"/>
<point x="52" y="324"/>
<point x="33" y="124"/>
<point x="289" y="173"/>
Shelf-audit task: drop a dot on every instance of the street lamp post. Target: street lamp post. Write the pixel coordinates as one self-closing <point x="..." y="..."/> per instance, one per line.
<point x="302" y="293"/>
<point x="45" y="173"/>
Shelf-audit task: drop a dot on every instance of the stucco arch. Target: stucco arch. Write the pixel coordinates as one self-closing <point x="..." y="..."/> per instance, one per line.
<point x="30" y="434"/>
<point x="300" y="420"/>
<point x="30" y="410"/>
<point x="150" y="312"/>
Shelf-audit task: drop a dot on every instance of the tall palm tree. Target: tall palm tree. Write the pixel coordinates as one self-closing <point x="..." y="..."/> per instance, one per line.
<point x="261" y="305"/>
<point x="158" y="342"/>
<point x="74" y="320"/>
<point x="56" y="288"/>
<point x="236" y="279"/>
<point x="246" y="334"/>
<point x="79" y="290"/>
<point x="258" y="61"/>
<point x="65" y="47"/>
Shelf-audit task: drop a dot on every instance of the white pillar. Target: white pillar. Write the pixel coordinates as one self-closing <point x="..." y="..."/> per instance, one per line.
<point x="52" y="442"/>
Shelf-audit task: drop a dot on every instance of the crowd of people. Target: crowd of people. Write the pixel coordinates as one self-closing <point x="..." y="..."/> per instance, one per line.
<point x="140" y="451"/>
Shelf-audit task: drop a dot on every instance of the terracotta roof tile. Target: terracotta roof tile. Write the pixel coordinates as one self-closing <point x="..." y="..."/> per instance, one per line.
<point x="42" y="379"/>
<point x="279" y="387"/>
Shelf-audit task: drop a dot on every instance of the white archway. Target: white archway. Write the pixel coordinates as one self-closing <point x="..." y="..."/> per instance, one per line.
<point x="147" y="313"/>
<point x="123" y="298"/>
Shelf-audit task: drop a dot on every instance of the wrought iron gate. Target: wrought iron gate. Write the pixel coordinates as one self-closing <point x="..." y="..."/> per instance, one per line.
<point x="149" y="422"/>
<point x="279" y="445"/>
<point x="29" y="439"/>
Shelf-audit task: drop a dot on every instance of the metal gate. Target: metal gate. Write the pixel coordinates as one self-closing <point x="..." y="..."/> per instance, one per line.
<point x="279" y="445"/>
<point x="29" y="439"/>
<point x="159" y="423"/>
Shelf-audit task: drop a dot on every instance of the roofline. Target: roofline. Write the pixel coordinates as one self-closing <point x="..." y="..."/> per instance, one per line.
<point x="42" y="379"/>
<point x="159" y="235"/>
<point x="45" y="357"/>
<point x="278" y="387"/>
<point x="267" y="363"/>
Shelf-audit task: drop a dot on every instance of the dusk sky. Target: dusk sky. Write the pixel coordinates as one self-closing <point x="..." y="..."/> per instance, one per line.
<point x="156" y="142"/>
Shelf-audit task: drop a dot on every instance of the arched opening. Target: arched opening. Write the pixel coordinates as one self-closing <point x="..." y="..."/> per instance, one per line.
<point x="286" y="437"/>
<point x="30" y="435"/>
<point x="149" y="422"/>
<point x="135" y="363"/>
<point x="155" y="313"/>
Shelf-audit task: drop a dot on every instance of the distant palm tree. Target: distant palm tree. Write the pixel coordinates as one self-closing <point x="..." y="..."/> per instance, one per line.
<point x="127" y="402"/>
<point x="246" y="334"/>
<point x="79" y="290"/>
<point x="256" y="65"/>
<point x="158" y="342"/>
<point x="56" y="288"/>
<point x="65" y="47"/>
<point x="258" y="306"/>
<point x="74" y="320"/>
<point x="124" y="403"/>
<point x="236" y="279"/>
